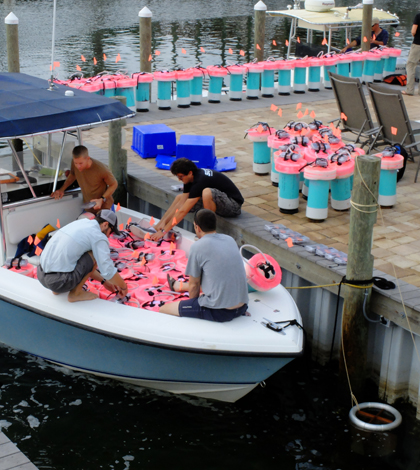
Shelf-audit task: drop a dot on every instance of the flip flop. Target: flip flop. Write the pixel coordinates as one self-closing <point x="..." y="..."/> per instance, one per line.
<point x="171" y="282"/>
<point x="406" y="94"/>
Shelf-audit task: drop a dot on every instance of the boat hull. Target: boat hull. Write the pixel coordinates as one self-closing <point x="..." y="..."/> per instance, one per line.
<point x="211" y="374"/>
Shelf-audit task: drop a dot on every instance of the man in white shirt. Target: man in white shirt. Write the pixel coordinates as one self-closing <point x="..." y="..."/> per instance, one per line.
<point x="73" y="255"/>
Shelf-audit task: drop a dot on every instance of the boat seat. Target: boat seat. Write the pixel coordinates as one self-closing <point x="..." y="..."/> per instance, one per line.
<point x="22" y="221"/>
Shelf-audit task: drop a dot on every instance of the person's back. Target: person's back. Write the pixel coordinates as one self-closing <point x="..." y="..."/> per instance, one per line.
<point x="215" y="257"/>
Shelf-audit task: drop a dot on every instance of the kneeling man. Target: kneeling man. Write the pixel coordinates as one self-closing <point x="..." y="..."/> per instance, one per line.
<point x="215" y="265"/>
<point x="72" y="255"/>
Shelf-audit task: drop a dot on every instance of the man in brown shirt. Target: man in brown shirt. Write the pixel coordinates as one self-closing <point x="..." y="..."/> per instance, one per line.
<point x="94" y="178"/>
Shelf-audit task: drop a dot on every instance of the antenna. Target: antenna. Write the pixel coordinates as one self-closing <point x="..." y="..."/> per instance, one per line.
<point x="51" y="87"/>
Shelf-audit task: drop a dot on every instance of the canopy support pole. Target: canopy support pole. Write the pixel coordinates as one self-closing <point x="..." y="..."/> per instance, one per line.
<point x="3" y="235"/>
<point x="16" y="156"/>
<point x="79" y="136"/>
<point x="57" y="171"/>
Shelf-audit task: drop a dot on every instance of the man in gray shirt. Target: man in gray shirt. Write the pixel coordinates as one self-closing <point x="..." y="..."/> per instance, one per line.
<point x="215" y="265"/>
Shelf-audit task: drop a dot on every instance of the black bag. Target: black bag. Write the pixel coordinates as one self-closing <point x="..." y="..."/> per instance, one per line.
<point x="402" y="151"/>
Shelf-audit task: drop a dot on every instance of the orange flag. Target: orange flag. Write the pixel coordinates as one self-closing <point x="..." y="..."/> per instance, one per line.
<point x="324" y="42"/>
<point x="121" y="227"/>
<point x="78" y="68"/>
<point x="274" y="43"/>
<point x="129" y="220"/>
<point x="298" y="39"/>
<point x="396" y="34"/>
<point x="306" y="112"/>
<point x="394" y="130"/>
<point x="287" y="43"/>
<point x="242" y="53"/>
<point x="37" y="240"/>
<point x="280" y="113"/>
<point x="143" y="261"/>
<point x="300" y="115"/>
<point x="373" y="37"/>
<point x="152" y="221"/>
<point x="56" y="64"/>
<point x="313" y="115"/>
<point x="38" y="251"/>
<point x="343" y="116"/>
<point x="230" y="51"/>
<point x="58" y="223"/>
<point x="174" y="221"/>
<point x="365" y="39"/>
<point x="258" y="47"/>
<point x="298" y="106"/>
<point x="95" y="61"/>
<point x="273" y="107"/>
<point x="202" y="49"/>
<point x="118" y="207"/>
<point x="104" y="57"/>
<point x="147" y="236"/>
<point x="348" y="41"/>
<point x="150" y="58"/>
<point x="157" y="52"/>
<point x="118" y="58"/>
<point x="260" y="129"/>
<point x="289" y="242"/>
<point x="155" y="280"/>
<point x="183" y="51"/>
<point x="176" y="211"/>
<point x="83" y="59"/>
<point x="135" y="254"/>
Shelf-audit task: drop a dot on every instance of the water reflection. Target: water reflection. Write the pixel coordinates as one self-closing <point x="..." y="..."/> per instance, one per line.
<point x="110" y="27"/>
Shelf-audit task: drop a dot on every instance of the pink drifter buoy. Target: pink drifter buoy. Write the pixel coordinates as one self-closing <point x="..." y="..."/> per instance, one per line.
<point x="262" y="271"/>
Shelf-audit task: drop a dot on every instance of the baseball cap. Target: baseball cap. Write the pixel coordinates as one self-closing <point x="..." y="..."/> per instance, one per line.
<point x="375" y="21"/>
<point x="111" y="218"/>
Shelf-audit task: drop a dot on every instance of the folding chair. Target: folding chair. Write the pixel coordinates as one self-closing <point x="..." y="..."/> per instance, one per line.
<point x="352" y="104"/>
<point x="392" y="115"/>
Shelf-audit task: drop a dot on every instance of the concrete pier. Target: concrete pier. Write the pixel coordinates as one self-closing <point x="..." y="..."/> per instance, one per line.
<point x="11" y="457"/>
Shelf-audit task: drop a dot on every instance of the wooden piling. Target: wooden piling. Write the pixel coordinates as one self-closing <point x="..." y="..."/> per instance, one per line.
<point x="13" y="65"/>
<point x="359" y="268"/>
<point x="145" y="29"/>
<point x="118" y="156"/>
<point x="367" y="24"/>
<point x="259" y="30"/>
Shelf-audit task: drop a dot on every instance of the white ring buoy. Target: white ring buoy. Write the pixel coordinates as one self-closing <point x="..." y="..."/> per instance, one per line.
<point x="375" y="427"/>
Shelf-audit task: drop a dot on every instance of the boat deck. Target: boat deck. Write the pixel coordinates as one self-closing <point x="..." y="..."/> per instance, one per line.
<point x="11" y="457"/>
<point x="396" y="234"/>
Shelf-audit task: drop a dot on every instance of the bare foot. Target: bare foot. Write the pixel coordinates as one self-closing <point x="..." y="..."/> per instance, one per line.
<point x="80" y="296"/>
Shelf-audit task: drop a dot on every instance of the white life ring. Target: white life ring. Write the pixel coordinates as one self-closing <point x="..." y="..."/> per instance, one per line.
<point x="375" y="427"/>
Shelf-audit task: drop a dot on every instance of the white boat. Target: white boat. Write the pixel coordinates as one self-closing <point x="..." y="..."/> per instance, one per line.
<point x="223" y="361"/>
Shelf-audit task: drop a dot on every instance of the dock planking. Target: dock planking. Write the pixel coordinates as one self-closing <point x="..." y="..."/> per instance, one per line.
<point x="11" y="457"/>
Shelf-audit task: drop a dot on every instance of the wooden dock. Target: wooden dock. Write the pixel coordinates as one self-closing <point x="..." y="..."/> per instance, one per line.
<point x="11" y="458"/>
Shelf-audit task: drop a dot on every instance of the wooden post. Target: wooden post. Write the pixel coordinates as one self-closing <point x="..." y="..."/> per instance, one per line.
<point x="118" y="156"/>
<point x="145" y="27"/>
<point x="359" y="268"/>
<point x="13" y="66"/>
<point x="367" y="24"/>
<point x="259" y="30"/>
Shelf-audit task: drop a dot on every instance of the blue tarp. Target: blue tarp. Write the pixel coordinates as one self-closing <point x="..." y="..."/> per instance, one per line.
<point x="27" y="107"/>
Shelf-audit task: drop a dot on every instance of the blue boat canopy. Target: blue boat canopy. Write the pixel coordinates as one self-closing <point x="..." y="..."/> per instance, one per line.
<point x="28" y="107"/>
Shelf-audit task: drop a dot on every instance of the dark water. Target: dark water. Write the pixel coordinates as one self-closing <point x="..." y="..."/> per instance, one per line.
<point x="299" y="421"/>
<point x="97" y="27"/>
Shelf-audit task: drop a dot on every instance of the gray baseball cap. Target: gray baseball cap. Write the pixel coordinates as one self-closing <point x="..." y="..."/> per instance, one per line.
<point x="111" y="218"/>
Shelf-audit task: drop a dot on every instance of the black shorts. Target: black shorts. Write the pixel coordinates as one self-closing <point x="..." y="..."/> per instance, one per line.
<point x="192" y="309"/>
<point x="65" y="282"/>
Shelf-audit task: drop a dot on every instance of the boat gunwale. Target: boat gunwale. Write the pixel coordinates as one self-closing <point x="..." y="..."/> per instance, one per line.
<point x="150" y="343"/>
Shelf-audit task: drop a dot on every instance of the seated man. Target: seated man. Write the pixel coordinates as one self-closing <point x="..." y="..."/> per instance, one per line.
<point x="94" y="178"/>
<point x="69" y="258"/>
<point x="206" y="188"/>
<point x="215" y="265"/>
<point x="379" y="37"/>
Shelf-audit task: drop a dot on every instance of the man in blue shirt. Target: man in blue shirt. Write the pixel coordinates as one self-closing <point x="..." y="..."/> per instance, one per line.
<point x="379" y="37"/>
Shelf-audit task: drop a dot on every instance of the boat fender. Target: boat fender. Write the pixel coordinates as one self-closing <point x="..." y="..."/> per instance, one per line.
<point x="367" y="424"/>
<point x="262" y="270"/>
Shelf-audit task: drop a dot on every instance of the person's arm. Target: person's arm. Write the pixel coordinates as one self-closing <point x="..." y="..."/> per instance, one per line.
<point x="169" y="215"/>
<point x="59" y="193"/>
<point x="116" y="283"/>
<point x="194" y="287"/>
<point x="352" y="44"/>
<point x="186" y="207"/>
<point x="112" y="185"/>
<point x="414" y="29"/>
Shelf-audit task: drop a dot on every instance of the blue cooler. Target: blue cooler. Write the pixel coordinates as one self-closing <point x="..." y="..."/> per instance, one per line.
<point x="154" y="139"/>
<point x="198" y="148"/>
